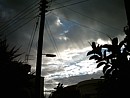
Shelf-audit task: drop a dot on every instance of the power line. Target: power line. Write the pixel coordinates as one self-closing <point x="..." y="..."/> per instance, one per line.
<point x="95" y="20"/>
<point x="50" y="3"/>
<point x="52" y="38"/>
<point x="23" y="12"/>
<point x="32" y="39"/>
<point x="15" y="23"/>
<point x="61" y="2"/>
<point x="91" y="18"/>
<point x="81" y="24"/>
<point x="25" y="9"/>
<point x="68" y="5"/>
<point x="54" y="42"/>
<point x="47" y="31"/>
<point x="20" y="15"/>
<point x="20" y="26"/>
<point x="23" y="2"/>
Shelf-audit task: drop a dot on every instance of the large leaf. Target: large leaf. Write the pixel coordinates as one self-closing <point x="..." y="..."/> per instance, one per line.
<point x="13" y="50"/>
<point x="108" y="72"/>
<point x="96" y="57"/>
<point x="90" y="52"/>
<point x="104" y="53"/>
<point x="99" y="60"/>
<point x="105" y="68"/>
<point x="98" y="50"/>
<point x="15" y="56"/>
<point x="110" y="56"/>
<point x="126" y="30"/>
<point x="100" y="64"/>
<point x="115" y="41"/>
<point x="106" y="46"/>
<point x="93" y="45"/>
<point x="121" y="43"/>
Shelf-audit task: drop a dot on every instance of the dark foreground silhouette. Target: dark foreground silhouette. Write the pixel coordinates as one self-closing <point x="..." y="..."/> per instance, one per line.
<point x="115" y="59"/>
<point x="115" y="83"/>
<point x="15" y="82"/>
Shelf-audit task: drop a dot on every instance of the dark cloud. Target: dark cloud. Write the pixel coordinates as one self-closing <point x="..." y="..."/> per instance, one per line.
<point x="81" y="23"/>
<point x="16" y="4"/>
<point x="15" y="25"/>
<point x="84" y="22"/>
<point x="97" y="17"/>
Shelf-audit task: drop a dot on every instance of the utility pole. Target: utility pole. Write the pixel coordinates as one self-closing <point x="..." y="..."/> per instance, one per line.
<point x="127" y="5"/>
<point x="38" y="92"/>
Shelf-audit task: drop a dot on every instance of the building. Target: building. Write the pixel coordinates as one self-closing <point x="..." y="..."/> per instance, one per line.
<point x="84" y="89"/>
<point x="89" y="88"/>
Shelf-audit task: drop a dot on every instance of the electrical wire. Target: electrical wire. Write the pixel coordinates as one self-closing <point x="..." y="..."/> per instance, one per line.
<point x="91" y="18"/>
<point x="50" y="3"/>
<point x="22" y="11"/>
<point x="68" y="5"/>
<point x="31" y="40"/>
<point x="14" y="20"/>
<point x="52" y="38"/>
<point x="61" y="3"/>
<point x="17" y="26"/>
<point x="20" y="26"/>
<point x="82" y="25"/>
<point x="95" y="20"/>
<point x="47" y="32"/>
<point x="23" y="2"/>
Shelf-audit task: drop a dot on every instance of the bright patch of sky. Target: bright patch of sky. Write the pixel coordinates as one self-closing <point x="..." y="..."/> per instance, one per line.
<point x="102" y="42"/>
<point x="74" y="62"/>
<point x="64" y="31"/>
<point x="63" y="38"/>
<point x="58" y="22"/>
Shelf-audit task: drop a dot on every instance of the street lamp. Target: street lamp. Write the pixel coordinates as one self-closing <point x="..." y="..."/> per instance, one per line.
<point x="39" y="48"/>
<point x="49" y="55"/>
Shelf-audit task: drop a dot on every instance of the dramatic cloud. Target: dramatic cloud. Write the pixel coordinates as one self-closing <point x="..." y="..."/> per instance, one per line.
<point x="68" y="31"/>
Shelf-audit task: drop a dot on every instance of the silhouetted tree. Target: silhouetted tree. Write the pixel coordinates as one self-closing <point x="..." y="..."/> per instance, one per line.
<point x="115" y="58"/>
<point x="58" y="91"/>
<point x="13" y="73"/>
<point x="65" y="92"/>
<point x="59" y="87"/>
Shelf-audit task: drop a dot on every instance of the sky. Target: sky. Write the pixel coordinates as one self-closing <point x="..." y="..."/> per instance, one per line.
<point x="69" y="27"/>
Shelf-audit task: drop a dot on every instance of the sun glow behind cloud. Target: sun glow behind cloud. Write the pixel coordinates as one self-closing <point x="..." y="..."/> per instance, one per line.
<point x="58" y="22"/>
<point x="70" y="27"/>
<point x="63" y="38"/>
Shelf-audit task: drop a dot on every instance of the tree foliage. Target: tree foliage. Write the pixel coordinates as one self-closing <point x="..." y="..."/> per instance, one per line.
<point x="113" y="57"/>
<point x="13" y="73"/>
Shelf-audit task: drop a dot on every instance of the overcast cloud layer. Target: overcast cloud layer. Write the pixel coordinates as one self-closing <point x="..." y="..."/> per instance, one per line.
<point x="67" y="33"/>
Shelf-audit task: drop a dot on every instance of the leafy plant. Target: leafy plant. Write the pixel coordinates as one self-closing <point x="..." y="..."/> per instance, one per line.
<point x="6" y="54"/>
<point x="13" y="73"/>
<point x="113" y="57"/>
